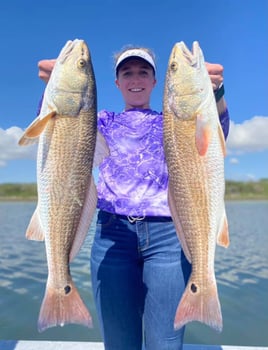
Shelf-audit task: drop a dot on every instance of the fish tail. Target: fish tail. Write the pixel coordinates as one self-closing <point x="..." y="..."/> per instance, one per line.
<point x="60" y="307"/>
<point x="199" y="305"/>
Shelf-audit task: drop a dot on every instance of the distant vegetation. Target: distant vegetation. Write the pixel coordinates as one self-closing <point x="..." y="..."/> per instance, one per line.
<point x="247" y="190"/>
<point x="235" y="190"/>
<point x="18" y="191"/>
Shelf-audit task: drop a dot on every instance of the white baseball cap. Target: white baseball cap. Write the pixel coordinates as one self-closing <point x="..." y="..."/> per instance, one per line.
<point x="132" y="53"/>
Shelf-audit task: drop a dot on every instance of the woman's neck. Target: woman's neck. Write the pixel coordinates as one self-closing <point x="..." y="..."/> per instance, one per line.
<point x="147" y="106"/>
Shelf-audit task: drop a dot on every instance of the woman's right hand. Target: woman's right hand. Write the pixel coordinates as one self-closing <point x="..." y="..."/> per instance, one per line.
<point x="45" y="69"/>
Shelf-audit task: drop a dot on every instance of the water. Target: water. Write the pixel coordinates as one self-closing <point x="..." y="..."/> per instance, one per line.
<point x="241" y="271"/>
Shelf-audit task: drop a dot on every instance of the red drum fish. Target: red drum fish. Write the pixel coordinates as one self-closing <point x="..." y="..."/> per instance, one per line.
<point x="195" y="149"/>
<point x="66" y="130"/>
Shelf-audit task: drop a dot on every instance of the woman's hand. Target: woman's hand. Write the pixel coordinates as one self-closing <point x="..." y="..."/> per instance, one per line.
<point x="45" y="69"/>
<point x="215" y="72"/>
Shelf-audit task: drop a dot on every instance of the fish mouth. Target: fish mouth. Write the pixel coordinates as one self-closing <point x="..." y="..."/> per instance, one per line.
<point x="70" y="46"/>
<point x="192" y="57"/>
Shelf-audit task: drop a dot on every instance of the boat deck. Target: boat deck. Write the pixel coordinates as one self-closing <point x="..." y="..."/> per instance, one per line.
<point x="60" y="345"/>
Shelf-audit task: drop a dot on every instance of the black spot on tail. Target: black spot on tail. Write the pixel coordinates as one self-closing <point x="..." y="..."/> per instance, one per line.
<point x="193" y="288"/>
<point x="67" y="289"/>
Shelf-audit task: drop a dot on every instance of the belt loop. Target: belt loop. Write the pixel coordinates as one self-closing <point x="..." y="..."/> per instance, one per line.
<point x="133" y="219"/>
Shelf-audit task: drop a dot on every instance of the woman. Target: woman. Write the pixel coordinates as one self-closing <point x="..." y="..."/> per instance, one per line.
<point x="138" y="268"/>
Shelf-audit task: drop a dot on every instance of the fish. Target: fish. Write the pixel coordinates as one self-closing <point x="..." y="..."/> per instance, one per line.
<point x="194" y="146"/>
<point x="66" y="133"/>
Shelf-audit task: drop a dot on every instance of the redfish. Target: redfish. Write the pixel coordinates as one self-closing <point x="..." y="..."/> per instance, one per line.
<point x="66" y="130"/>
<point x="195" y="148"/>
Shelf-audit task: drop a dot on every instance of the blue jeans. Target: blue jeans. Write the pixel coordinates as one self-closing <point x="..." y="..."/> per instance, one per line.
<point x="139" y="273"/>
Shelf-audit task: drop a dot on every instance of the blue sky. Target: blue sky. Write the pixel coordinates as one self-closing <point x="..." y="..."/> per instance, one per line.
<point x="231" y="32"/>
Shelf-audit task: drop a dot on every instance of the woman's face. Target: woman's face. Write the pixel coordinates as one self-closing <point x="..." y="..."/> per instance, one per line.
<point x="136" y="80"/>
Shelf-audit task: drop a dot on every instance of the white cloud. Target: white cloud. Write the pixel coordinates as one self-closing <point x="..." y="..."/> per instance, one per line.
<point x="250" y="136"/>
<point x="234" y="161"/>
<point x="9" y="148"/>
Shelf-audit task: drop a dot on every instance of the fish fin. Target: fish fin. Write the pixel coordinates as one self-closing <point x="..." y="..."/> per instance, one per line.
<point x="199" y="305"/>
<point x="222" y="140"/>
<point x="202" y="135"/>
<point x="223" y="236"/>
<point x="34" y="130"/>
<point x="61" y="307"/>
<point x="34" y="230"/>
<point x="25" y="141"/>
<point x="87" y="214"/>
<point x="101" y="150"/>
<point x="176" y="220"/>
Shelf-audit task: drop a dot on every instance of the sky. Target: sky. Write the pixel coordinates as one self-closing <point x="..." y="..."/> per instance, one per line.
<point x="233" y="33"/>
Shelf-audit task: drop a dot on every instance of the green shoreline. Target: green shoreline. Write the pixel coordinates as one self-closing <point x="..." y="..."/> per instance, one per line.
<point x="235" y="190"/>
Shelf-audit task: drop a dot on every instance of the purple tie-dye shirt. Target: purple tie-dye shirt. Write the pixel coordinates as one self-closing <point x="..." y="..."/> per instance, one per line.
<point x="133" y="179"/>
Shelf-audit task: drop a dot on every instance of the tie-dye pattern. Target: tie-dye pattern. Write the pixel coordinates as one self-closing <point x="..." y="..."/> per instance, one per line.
<point x="133" y="179"/>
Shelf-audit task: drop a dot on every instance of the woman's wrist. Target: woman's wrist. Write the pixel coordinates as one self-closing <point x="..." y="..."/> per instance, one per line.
<point x="219" y="92"/>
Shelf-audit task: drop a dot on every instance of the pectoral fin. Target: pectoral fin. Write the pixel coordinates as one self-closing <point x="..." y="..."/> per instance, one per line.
<point x="202" y="135"/>
<point x="33" y="131"/>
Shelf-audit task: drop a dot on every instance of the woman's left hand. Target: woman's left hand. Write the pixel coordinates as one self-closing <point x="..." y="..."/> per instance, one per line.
<point x="215" y="72"/>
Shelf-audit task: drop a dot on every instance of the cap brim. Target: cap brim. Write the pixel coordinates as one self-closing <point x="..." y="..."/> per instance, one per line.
<point x="134" y="53"/>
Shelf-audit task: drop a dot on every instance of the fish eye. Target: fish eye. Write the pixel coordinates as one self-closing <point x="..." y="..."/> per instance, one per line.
<point x="174" y="66"/>
<point x="81" y="63"/>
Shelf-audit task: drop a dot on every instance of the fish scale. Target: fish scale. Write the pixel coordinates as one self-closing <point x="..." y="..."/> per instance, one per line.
<point x="194" y="150"/>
